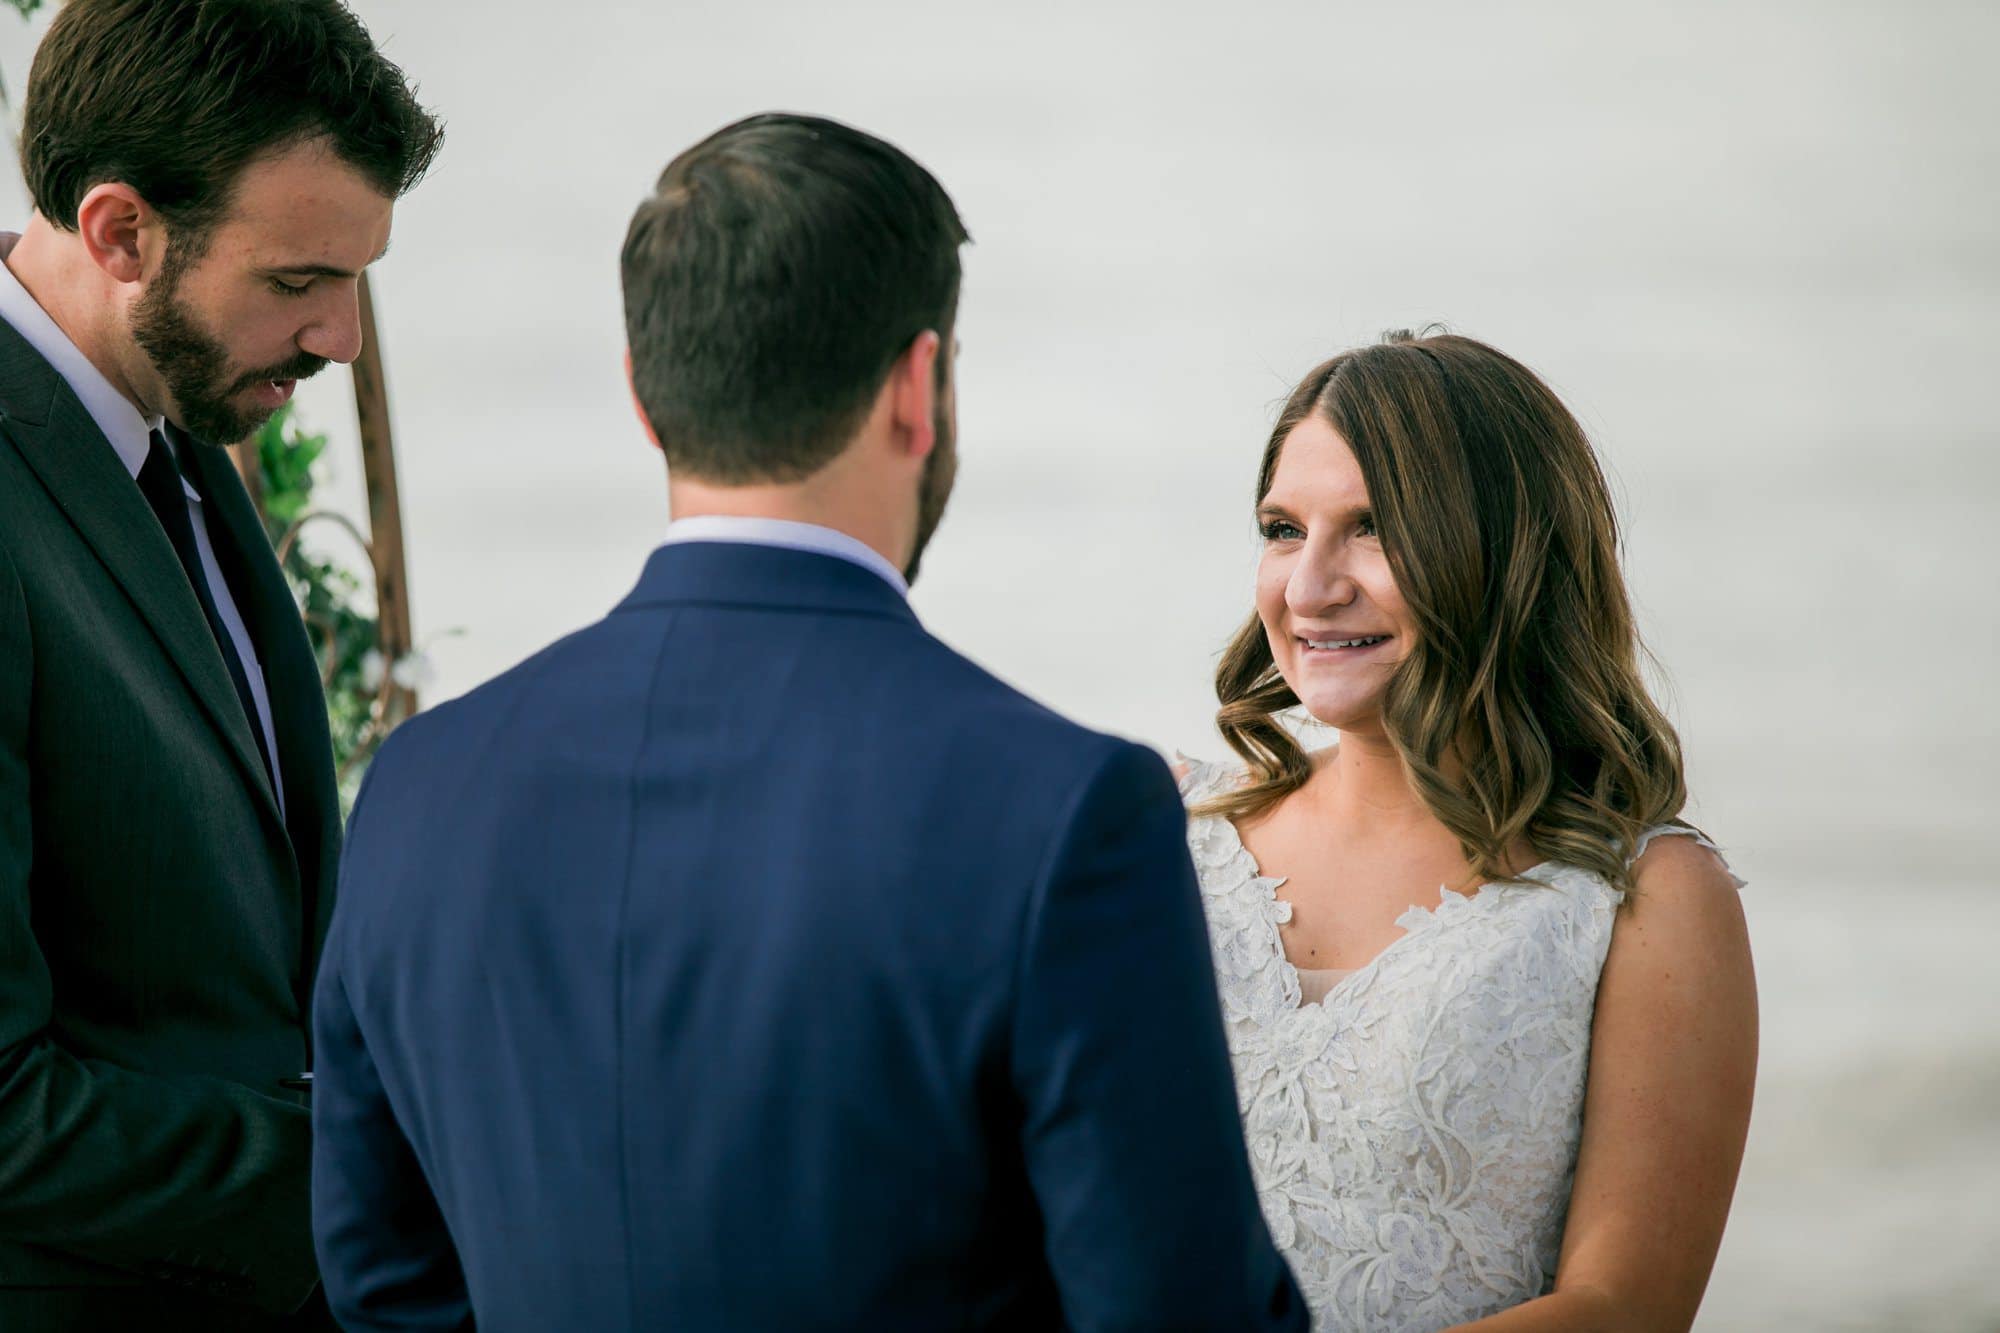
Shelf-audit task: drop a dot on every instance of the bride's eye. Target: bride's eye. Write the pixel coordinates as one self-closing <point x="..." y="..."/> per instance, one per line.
<point x="1278" y="530"/>
<point x="1364" y="526"/>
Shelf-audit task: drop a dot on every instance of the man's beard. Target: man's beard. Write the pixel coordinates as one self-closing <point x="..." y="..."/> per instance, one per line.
<point x="934" y="488"/>
<point x="195" y="366"/>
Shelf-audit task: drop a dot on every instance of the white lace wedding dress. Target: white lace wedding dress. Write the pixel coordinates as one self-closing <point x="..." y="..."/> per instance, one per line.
<point x="1413" y="1134"/>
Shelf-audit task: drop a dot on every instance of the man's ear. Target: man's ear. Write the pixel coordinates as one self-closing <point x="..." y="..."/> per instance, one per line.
<point x="913" y="395"/>
<point x="637" y="406"/>
<point x="117" y="226"/>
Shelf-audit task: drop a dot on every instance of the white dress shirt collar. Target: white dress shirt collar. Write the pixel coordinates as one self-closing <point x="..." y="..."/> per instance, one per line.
<point x="129" y="432"/>
<point x="788" y="534"/>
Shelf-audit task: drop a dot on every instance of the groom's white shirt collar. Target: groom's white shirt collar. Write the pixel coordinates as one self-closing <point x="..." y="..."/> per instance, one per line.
<point x="130" y="434"/>
<point x="789" y="535"/>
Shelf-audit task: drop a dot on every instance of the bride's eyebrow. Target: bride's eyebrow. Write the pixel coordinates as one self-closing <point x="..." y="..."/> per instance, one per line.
<point x="1275" y="509"/>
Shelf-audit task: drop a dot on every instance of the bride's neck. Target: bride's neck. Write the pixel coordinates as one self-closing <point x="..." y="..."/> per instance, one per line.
<point x="1361" y="783"/>
<point x="1361" y="795"/>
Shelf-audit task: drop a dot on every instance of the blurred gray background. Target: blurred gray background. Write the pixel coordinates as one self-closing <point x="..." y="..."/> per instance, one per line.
<point x="1753" y="245"/>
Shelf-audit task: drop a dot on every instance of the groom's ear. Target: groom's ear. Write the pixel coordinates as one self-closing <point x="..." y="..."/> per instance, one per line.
<point x="638" y="406"/>
<point x="913" y="393"/>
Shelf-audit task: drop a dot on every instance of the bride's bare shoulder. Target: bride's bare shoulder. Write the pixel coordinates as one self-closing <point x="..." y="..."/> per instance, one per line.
<point x="1685" y="869"/>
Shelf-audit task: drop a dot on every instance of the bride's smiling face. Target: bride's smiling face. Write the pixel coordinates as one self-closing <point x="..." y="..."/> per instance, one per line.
<point x="1336" y="623"/>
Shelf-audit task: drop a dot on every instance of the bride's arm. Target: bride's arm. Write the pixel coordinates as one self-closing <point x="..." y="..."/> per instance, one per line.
<point x="1672" y="1063"/>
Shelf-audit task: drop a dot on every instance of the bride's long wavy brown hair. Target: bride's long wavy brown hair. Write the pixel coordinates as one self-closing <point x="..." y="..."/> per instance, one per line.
<point x="1519" y="711"/>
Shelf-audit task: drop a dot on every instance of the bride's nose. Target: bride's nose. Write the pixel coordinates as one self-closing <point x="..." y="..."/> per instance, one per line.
<point x="1319" y="582"/>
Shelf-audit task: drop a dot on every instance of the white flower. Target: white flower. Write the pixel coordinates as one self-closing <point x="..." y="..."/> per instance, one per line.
<point x="413" y="671"/>
<point x="372" y="667"/>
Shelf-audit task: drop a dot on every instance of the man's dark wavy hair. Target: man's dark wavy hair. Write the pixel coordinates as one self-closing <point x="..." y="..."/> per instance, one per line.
<point x="176" y="97"/>
<point x="771" y="280"/>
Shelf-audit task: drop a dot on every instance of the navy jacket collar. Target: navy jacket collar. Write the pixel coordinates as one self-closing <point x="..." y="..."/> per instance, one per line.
<point x="742" y="574"/>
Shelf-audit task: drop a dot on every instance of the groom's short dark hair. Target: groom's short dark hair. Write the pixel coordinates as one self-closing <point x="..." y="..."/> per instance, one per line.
<point x="175" y="97"/>
<point x="771" y="280"/>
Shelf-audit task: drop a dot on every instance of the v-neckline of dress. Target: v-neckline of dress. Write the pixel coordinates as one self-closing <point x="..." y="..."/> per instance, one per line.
<point x="1411" y="928"/>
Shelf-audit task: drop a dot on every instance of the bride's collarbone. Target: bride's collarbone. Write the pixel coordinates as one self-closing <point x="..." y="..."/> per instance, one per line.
<point x="1348" y="895"/>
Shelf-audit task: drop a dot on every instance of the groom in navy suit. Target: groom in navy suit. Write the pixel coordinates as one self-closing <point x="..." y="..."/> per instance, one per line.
<point x="749" y="959"/>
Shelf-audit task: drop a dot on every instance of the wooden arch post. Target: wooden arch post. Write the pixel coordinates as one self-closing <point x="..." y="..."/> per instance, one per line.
<point x="385" y="505"/>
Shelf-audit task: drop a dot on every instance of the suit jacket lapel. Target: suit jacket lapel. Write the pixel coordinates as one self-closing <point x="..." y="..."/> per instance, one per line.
<point x="81" y="470"/>
<point x="292" y="681"/>
<point x="291" y="673"/>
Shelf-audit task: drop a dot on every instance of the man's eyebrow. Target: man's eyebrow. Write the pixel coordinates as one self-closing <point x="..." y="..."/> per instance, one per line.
<point x="322" y="270"/>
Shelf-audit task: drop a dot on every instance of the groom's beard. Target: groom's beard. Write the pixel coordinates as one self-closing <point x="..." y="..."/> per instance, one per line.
<point x="933" y="489"/>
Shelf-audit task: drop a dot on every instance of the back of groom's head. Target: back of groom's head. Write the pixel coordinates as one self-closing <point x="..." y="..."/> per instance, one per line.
<point x="772" y="279"/>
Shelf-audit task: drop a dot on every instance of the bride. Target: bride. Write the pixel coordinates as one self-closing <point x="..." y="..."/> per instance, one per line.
<point x="1490" y="1005"/>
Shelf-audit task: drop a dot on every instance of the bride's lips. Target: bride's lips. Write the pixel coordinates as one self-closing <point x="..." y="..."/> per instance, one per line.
<point x="1348" y="651"/>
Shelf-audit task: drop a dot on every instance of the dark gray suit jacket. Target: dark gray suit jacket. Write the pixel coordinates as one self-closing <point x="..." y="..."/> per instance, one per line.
<point x="159" y="919"/>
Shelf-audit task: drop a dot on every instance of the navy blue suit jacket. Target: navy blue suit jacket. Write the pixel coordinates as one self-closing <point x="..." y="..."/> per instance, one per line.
<point x="751" y="960"/>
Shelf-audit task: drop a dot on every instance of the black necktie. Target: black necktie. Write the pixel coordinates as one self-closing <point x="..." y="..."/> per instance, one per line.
<point x="160" y="481"/>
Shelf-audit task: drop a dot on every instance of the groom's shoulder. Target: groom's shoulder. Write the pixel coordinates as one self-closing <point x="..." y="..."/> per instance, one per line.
<point x="957" y="710"/>
<point x="440" y="731"/>
<point x="998" y="724"/>
<point x="980" y="695"/>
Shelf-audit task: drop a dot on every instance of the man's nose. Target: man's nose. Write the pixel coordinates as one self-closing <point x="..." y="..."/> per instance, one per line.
<point x="335" y="335"/>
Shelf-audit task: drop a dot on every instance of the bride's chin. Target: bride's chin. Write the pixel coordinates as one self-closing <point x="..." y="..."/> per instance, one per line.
<point x="1345" y="715"/>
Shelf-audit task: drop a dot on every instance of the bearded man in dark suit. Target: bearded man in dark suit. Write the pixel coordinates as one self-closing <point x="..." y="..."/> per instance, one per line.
<point x="209" y="180"/>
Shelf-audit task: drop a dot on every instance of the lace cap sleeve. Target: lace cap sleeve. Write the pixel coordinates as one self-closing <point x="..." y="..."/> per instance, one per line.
<point x="1199" y="780"/>
<point x="1701" y="839"/>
